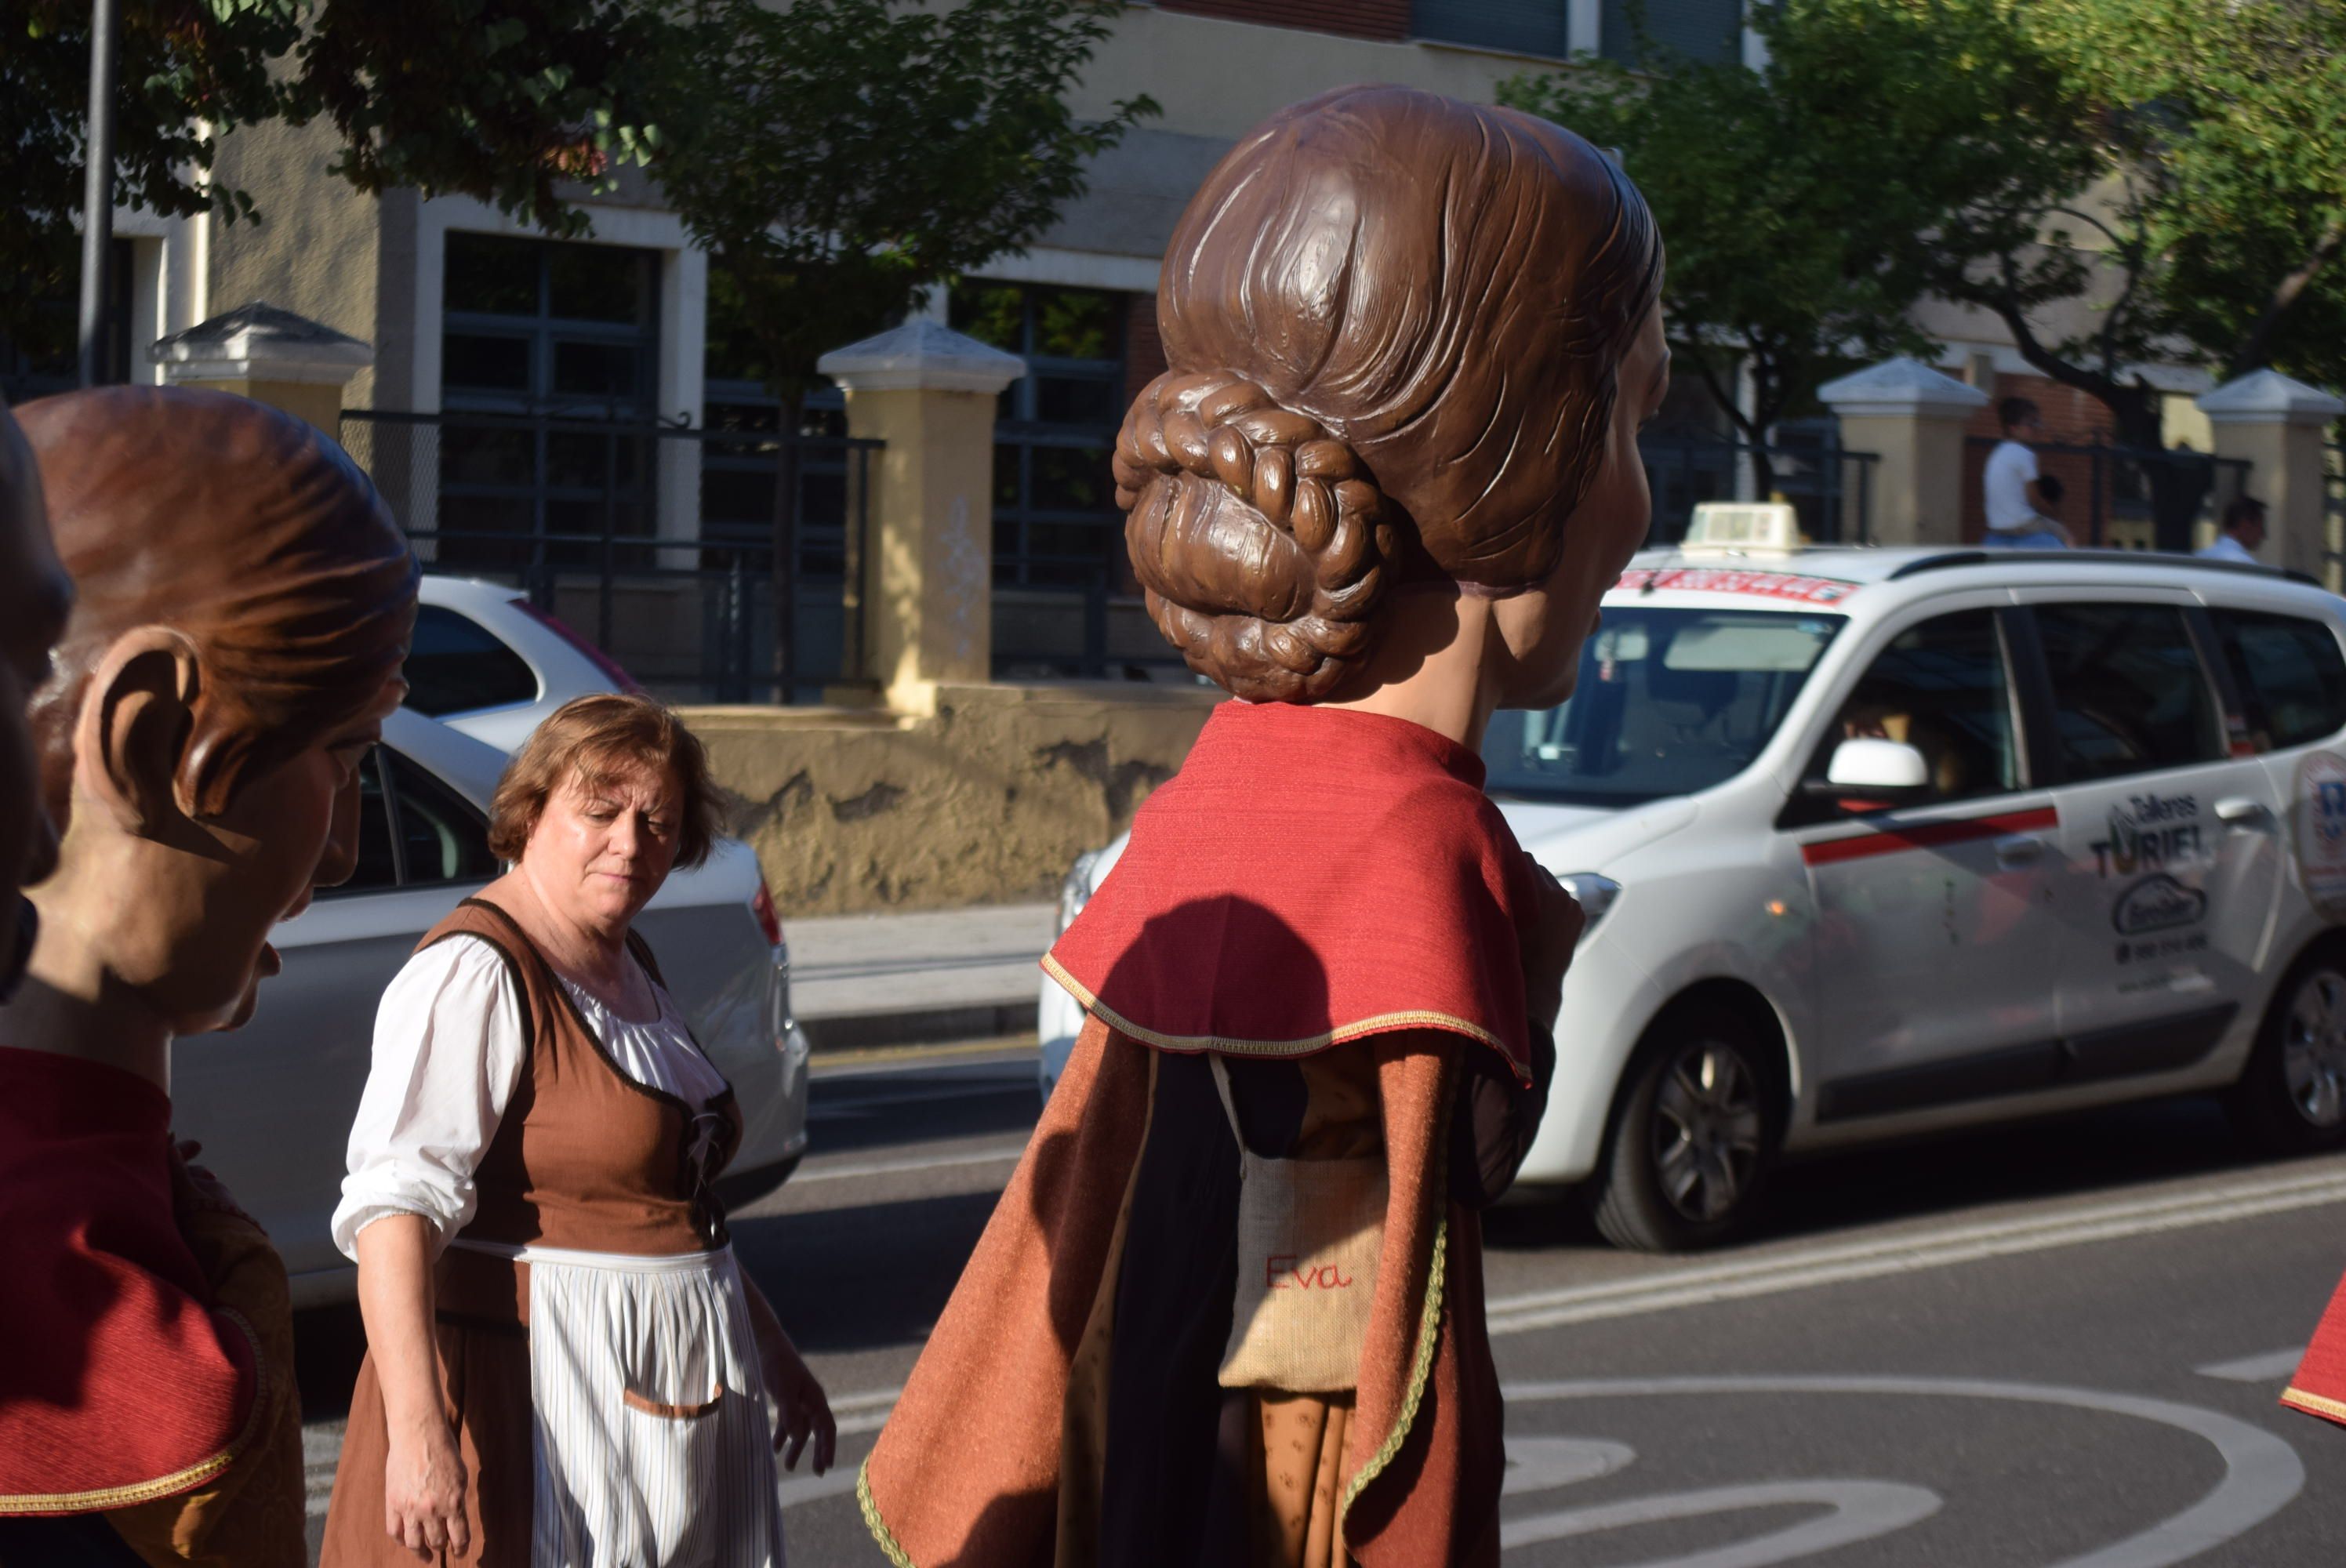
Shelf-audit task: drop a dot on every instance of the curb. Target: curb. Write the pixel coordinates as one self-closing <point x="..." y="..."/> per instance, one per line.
<point x="918" y="1027"/>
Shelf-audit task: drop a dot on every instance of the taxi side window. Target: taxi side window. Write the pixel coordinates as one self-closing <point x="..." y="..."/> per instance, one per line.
<point x="1941" y="688"/>
<point x="2129" y="693"/>
<point x="2291" y="674"/>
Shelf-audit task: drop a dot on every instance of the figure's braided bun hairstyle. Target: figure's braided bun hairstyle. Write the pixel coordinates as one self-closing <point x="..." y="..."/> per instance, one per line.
<point x="1392" y="322"/>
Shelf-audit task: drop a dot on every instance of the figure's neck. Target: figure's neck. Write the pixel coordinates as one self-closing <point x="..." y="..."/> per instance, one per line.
<point x="73" y="1003"/>
<point x="1430" y="664"/>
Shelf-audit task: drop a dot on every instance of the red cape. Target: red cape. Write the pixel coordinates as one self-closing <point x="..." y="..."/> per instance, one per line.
<point x="119" y="1383"/>
<point x="1310" y="876"/>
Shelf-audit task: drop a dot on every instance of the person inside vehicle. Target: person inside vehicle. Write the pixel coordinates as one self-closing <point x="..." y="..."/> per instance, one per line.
<point x="536" y="1148"/>
<point x="244" y="603"/>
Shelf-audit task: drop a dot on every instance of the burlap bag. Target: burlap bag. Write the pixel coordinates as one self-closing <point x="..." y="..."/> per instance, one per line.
<point x="1309" y="1233"/>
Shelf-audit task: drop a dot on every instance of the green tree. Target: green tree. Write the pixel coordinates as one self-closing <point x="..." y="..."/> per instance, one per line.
<point x="840" y="158"/>
<point x="1791" y="198"/>
<point x="501" y="99"/>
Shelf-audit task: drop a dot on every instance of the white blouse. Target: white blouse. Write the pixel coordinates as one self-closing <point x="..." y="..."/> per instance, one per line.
<point x="448" y="1054"/>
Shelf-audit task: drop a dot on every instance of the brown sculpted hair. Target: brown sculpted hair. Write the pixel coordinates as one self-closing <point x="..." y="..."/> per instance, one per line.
<point x="1392" y="322"/>
<point x="583" y="740"/>
<point x="249" y="533"/>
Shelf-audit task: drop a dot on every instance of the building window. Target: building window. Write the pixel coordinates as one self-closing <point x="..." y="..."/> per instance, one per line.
<point x="539" y="339"/>
<point x="737" y="467"/>
<point x="1056" y="523"/>
<point x="45" y="357"/>
<point x="1706" y="32"/>
<point x="1517" y="26"/>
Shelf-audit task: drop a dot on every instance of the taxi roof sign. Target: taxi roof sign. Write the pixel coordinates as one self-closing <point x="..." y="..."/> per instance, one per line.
<point x="1743" y="526"/>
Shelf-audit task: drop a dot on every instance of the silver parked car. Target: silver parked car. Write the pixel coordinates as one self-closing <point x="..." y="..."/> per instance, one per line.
<point x="273" y="1102"/>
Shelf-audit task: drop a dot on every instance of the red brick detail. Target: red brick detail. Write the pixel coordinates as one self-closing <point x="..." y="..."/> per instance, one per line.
<point x="1353" y="19"/>
<point x="2071" y="418"/>
<point x="1144" y="351"/>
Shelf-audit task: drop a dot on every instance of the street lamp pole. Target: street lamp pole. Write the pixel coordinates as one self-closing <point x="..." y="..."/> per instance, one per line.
<point x="98" y="191"/>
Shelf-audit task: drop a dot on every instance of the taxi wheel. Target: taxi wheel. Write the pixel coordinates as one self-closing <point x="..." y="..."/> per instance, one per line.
<point x="2291" y="1099"/>
<point x="1694" y="1137"/>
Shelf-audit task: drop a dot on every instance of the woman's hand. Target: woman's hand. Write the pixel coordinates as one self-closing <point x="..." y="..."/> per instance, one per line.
<point x="1548" y="943"/>
<point x="801" y="1413"/>
<point x="801" y="1410"/>
<point x="423" y="1490"/>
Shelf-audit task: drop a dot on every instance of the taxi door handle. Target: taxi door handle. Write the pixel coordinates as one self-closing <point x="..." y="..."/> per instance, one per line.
<point x="2249" y="816"/>
<point x="2018" y="850"/>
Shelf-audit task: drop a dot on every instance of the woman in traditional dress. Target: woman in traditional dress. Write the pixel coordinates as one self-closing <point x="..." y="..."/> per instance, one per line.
<point x="244" y="603"/>
<point x="565" y="1367"/>
<point x="1229" y="1310"/>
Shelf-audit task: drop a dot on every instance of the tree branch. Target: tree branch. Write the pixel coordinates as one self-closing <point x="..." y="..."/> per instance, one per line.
<point x="2243" y="358"/>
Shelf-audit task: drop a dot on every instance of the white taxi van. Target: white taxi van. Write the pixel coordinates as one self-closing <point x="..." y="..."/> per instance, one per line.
<point x="1879" y="841"/>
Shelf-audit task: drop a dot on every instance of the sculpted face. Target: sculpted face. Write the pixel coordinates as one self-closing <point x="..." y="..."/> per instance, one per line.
<point x="602" y="846"/>
<point x="1541" y="631"/>
<point x="34" y="596"/>
<point x="245" y="603"/>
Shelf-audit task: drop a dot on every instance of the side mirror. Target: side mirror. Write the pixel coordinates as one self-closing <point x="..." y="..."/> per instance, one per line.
<point x="1868" y="769"/>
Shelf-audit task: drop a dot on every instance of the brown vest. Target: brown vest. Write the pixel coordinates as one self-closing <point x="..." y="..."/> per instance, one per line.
<point x="584" y="1156"/>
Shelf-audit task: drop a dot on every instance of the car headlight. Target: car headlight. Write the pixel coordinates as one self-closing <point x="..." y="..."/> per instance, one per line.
<point x="1076" y="891"/>
<point x="1595" y="893"/>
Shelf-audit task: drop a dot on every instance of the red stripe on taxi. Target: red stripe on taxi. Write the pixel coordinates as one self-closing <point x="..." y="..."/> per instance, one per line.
<point x="1926" y="835"/>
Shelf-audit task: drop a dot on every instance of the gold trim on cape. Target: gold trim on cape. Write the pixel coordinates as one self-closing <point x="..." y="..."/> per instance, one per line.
<point x="179" y="1480"/>
<point x="2314" y="1404"/>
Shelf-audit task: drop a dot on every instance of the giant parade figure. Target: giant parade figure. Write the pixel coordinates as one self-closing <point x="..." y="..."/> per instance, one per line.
<point x="1229" y="1310"/>
<point x="244" y="603"/>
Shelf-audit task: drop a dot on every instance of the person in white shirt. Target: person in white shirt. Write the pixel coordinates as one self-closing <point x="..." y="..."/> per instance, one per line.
<point x="2011" y="486"/>
<point x="2243" y="534"/>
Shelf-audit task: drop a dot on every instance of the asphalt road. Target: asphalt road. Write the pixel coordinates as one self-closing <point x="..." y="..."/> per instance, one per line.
<point x="2056" y="1344"/>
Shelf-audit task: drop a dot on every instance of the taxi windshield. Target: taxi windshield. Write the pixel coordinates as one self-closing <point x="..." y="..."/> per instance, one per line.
<point x="1670" y="701"/>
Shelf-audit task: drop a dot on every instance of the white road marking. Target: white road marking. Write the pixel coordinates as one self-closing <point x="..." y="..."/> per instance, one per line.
<point x="2261" y="1472"/>
<point x="1808" y="1267"/>
<point x="1545" y="1463"/>
<point x="1007" y="1153"/>
<point x="1860" y="1510"/>
<point x="2271" y="1366"/>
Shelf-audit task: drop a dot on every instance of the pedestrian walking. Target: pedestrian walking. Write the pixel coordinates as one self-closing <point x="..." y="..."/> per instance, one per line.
<point x="244" y="602"/>
<point x="1229" y="1310"/>
<point x="2242" y="535"/>
<point x="564" y="1365"/>
<point x="2014" y="491"/>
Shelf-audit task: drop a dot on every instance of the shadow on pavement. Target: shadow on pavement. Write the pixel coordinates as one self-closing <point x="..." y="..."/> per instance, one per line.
<point x="858" y="1279"/>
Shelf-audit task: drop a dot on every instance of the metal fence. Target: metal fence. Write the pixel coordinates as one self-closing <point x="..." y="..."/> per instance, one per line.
<point x="2122" y="497"/>
<point x="656" y="542"/>
<point x="1830" y="489"/>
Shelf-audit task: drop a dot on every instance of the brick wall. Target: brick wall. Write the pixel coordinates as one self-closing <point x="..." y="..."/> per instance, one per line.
<point x="2071" y="418"/>
<point x="1353" y="19"/>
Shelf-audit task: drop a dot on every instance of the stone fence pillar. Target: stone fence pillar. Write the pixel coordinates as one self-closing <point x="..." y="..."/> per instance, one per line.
<point x="270" y="356"/>
<point x="927" y="568"/>
<point x="1911" y="417"/>
<point x="2278" y="425"/>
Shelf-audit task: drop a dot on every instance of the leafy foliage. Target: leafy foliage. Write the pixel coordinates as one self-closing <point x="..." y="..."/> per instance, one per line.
<point x="846" y="155"/>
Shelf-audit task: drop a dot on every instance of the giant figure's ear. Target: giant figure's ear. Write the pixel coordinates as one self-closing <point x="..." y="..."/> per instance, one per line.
<point x="137" y="713"/>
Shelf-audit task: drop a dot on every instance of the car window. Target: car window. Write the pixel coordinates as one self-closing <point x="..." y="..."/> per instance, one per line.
<point x="441" y="839"/>
<point x="377" y="866"/>
<point x="1944" y="689"/>
<point x="2291" y="676"/>
<point x="1668" y="701"/>
<point x="2129" y="693"/>
<point x="457" y="665"/>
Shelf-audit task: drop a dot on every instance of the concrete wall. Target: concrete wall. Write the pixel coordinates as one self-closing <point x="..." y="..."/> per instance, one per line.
<point x="988" y="801"/>
<point x="314" y="251"/>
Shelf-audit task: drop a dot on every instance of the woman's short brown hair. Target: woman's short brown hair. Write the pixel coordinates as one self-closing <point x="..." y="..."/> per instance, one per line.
<point x="584" y="739"/>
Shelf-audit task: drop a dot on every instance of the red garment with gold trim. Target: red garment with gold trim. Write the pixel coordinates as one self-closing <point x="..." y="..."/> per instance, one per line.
<point x="120" y="1382"/>
<point x="1311" y="875"/>
<point x="2319" y="1389"/>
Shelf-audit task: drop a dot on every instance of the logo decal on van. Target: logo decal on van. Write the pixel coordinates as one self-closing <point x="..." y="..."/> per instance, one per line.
<point x="2157" y="902"/>
<point x="1736" y="580"/>
<point x="2319" y="829"/>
